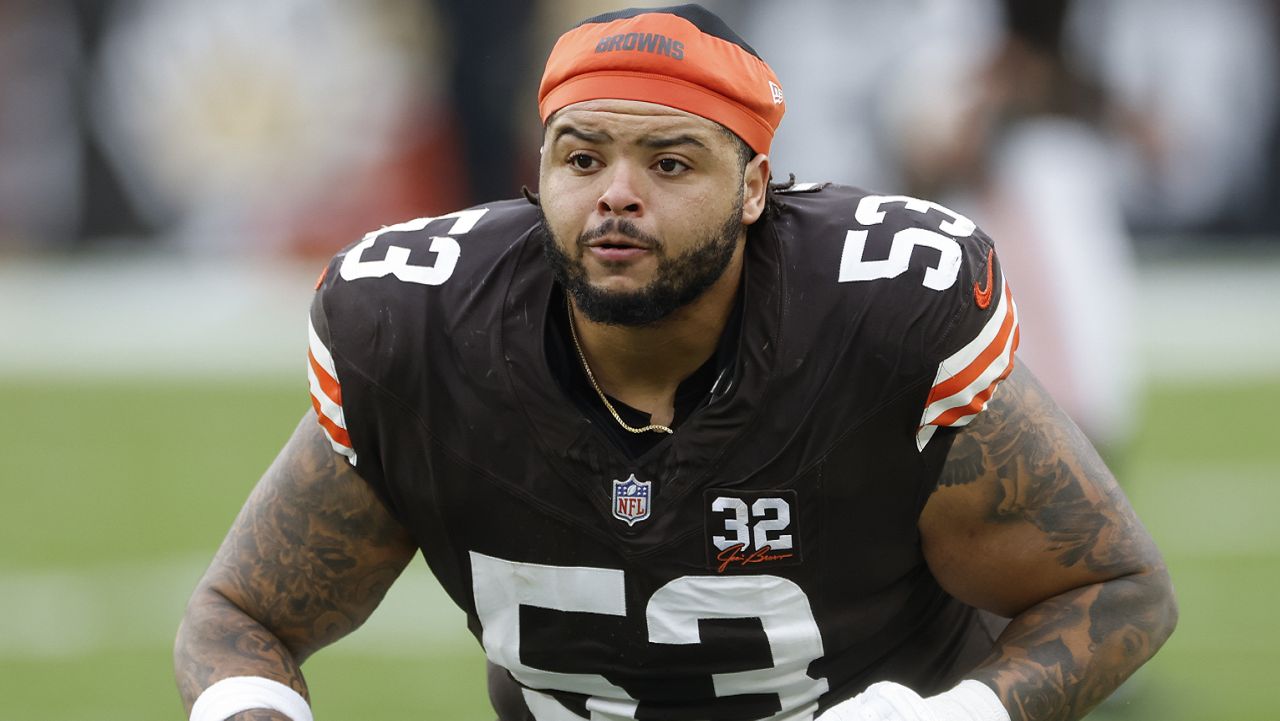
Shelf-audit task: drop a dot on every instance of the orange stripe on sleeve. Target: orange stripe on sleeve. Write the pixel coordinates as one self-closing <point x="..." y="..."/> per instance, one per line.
<point x="335" y="431"/>
<point x="980" y="364"/>
<point x="328" y="383"/>
<point x="976" y="405"/>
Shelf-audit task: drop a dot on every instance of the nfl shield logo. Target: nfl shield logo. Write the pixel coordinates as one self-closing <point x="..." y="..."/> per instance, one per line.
<point x="631" y="500"/>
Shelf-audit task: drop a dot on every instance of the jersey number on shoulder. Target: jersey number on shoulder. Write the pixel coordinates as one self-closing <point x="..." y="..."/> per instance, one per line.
<point x="854" y="268"/>
<point x="396" y="261"/>
<point x="672" y="616"/>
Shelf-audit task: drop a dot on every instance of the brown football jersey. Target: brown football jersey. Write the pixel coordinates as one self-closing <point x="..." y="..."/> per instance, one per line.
<point x="761" y="562"/>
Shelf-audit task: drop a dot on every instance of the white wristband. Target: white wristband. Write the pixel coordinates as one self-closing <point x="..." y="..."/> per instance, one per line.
<point x="968" y="701"/>
<point x="230" y="696"/>
<point x="887" y="701"/>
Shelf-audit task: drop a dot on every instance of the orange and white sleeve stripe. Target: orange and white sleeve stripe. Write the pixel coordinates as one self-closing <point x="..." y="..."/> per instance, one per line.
<point x="326" y="394"/>
<point x="967" y="379"/>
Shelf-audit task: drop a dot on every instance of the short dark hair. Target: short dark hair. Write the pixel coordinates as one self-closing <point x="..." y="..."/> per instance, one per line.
<point x="745" y="155"/>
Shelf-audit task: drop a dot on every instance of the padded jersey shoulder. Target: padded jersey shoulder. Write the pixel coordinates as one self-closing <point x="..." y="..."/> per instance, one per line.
<point x="916" y="266"/>
<point x="908" y="282"/>
<point x="379" y="295"/>
<point x="384" y="313"/>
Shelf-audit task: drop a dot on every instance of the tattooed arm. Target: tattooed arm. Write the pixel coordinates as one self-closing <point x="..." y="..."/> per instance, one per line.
<point x="311" y="554"/>
<point x="1028" y="522"/>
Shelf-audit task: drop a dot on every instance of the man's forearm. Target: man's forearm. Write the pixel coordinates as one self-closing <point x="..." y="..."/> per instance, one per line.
<point x="307" y="560"/>
<point x="1060" y="658"/>
<point x="218" y="640"/>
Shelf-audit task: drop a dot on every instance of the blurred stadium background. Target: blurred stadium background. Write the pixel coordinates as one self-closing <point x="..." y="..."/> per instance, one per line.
<point x="174" y="172"/>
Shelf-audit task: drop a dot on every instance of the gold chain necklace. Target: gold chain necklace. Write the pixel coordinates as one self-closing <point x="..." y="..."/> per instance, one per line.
<point x="573" y="333"/>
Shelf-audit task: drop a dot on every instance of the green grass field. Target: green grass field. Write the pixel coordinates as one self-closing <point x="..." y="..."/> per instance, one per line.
<point x="119" y="491"/>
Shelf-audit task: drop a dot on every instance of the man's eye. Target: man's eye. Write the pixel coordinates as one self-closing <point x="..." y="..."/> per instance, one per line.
<point x="671" y="165"/>
<point x="582" y="161"/>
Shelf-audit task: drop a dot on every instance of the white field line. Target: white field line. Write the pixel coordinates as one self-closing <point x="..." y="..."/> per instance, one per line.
<point x="1209" y="320"/>
<point x="142" y="317"/>
<point x="201" y="317"/>
<point x="67" y="613"/>
<point x="1195" y="512"/>
<point x="1211" y="511"/>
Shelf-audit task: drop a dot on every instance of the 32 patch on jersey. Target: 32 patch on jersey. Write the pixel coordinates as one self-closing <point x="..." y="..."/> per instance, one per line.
<point x="750" y="531"/>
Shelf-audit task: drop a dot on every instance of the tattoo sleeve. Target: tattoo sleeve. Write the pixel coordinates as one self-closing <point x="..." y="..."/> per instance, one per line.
<point x="307" y="560"/>
<point x="1028" y="522"/>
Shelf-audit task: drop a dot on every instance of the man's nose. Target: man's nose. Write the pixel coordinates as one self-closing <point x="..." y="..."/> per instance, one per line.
<point x="621" y="196"/>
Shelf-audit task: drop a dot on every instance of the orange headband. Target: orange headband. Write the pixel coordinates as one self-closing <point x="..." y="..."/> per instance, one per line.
<point x="682" y="57"/>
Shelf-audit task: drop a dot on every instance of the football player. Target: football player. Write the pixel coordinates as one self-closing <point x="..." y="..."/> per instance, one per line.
<point x="684" y="444"/>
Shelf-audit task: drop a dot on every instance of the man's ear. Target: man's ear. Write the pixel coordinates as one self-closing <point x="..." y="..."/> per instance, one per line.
<point x="755" y="188"/>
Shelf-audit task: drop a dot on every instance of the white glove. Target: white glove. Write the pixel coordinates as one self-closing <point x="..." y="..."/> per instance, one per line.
<point x="888" y="701"/>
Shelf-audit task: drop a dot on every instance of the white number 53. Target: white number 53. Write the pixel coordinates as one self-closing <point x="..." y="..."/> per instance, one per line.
<point x="854" y="268"/>
<point x="670" y="616"/>
<point x="396" y="262"/>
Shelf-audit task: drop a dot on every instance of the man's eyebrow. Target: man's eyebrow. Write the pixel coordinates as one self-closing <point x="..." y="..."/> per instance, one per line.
<point x="661" y="143"/>
<point x="598" y="138"/>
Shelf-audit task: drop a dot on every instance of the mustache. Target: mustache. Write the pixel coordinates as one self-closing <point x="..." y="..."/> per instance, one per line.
<point x="623" y="227"/>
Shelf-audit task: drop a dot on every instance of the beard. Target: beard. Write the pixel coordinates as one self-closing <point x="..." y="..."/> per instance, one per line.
<point x="679" y="280"/>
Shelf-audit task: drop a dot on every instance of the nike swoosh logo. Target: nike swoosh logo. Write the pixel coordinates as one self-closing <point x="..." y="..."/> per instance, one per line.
<point x="982" y="296"/>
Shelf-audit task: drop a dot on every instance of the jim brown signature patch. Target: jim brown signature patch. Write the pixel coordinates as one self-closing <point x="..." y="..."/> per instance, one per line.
<point x="751" y="530"/>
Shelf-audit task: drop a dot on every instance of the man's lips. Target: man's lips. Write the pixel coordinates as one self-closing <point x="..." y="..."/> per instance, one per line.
<point x="616" y="249"/>
<point x="619" y="242"/>
<point x="616" y="253"/>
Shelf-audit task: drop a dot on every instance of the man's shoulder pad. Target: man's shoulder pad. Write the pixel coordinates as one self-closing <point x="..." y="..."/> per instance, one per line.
<point x="401" y="279"/>
<point x="907" y="265"/>
<point x="430" y="252"/>
<point x="857" y="208"/>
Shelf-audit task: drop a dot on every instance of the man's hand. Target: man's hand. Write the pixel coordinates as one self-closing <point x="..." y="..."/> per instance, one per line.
<point x="309" y="557"/>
